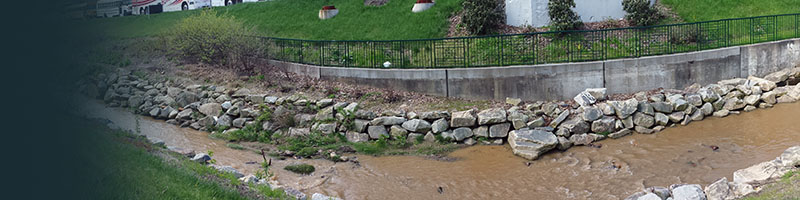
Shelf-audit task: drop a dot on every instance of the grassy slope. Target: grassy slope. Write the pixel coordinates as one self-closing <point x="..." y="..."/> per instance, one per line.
<point x="298" y="19"/>
<point x="119" y="170"/>
<point x="704" y="10"/>
<point x="786" y="188"/>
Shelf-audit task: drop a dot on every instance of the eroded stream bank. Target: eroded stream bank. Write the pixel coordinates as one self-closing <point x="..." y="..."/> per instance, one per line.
<point x="617" y="169"/>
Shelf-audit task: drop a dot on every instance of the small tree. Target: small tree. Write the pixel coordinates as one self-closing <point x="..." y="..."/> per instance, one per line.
<point x="481" y="16"/>
<point x="640" y="13"/>
<point x="213" y="38"/>
<point x="562" y="17"/>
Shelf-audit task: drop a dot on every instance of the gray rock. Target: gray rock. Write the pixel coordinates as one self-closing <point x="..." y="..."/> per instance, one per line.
<point x="243" y="92"/>
<point x="481" y="131"/>
<point x="604" y="125"/>
<point x="518" y="119"/>
<point x="135" y="101"/>
<point x="749" y="108"/>
<point x="440" y="125"/>
<point x="694" y="99"/>
<point x="582" y="139"/>
<point x="719" y="190"/>
<point x="360" y="125"/>
<point x="417" y="125"/>
<point x="679" y="105"/>
<point x="324" y="103"/>
<point x="662" y="107"/>
<point x="201" y="158"/>
<point x="318" y="196"/>
<point x="363" y="114"/>
<point x="561" y="117"/>
<point x="224" y="121"/>
<point x="352" y="107"/>
<point x="607" y="109"/>
<point x="688" y="192"/>
<point x="356" y="137"/>
<point x="697" y="115"/>
<point x="752" y="99"/>
<point x="434" y="115"/>
<point x="462" y="119"/>
<point x="707" y="109"/>
<point x="470" y="141"/>
<point x="239" y="122"/>
<point x="620" y="133"/>
<point x="591" y="114"/>
<point x="763" y="83"/>
<point x="462" y="133"/>
<point x="210" y="109"/>
<point x="658" y="97"/>
<point x="513" y="101"/>
<point x="530" y="144"/>
<point x="708" y="95"/>
<point x="492" y="116"/>
<point x="499" y="130"/>
<point x="626" y="108"/>
<point x="538" y="122"/>
<point x="387" y="121"/>
<point x="661" y="119"/>
<point x="412" y="137"/>
<point x="226" y="105"/>
<point x="255" y="98"/>
<point x="429" y="137"/>
<point x="326" y="128"/>
<point x="644" y="120"/>
<point x="721" y="113"/>
<point x="778" y="76"/>
<point x="645" y="108"/>
<point x="154" y="112"/>
<point x="769" y="97"/>
<point x="643" y="130"/>
<point x="627" y="122"/>
<point x="303" y="120"/>
<point x="786" y="99"/>
<point x="207" y="122"/>
<point x="575" y="126"/>
<point x="563" y="143"/>
<point x="235" y="110"/>
<point x="718" y="104"/>
<point x="270" y="100"/>
<point x="734" y="104"/>
<point x="186" y="114"/>
<point x="375" y="132"/>
<point x="397" y="132"/>
<point x="584" y="99"/>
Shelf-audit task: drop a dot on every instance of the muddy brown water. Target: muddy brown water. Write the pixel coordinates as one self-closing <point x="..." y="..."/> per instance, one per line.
<point x="619" y="168"/>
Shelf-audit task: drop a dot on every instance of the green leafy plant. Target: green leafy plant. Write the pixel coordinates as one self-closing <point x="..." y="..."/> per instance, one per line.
<point x="215" y="38"/>
<point x="235" y="146"/>
<point x="482" y="16"/>
<point x="562" y="17"/>
<point x="300" y="168"/>
<point x="640" y="12"/>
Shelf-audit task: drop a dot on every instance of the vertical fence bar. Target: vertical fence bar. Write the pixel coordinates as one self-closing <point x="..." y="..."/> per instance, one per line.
<point x="465" y="49"/>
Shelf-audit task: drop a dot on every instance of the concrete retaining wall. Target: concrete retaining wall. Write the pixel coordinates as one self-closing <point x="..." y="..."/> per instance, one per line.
<point x="535" y="12"/>
<point x="564" y="81"/>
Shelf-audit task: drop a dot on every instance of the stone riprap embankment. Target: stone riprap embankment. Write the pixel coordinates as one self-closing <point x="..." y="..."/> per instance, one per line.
<point x="531" y="129"/>
<point x="745" y="181"/>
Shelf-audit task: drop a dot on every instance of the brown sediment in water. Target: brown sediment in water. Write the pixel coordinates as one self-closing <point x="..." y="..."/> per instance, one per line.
<point x="683" y="154"/>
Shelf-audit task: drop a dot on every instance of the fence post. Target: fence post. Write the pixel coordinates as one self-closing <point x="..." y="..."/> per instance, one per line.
<point x="433" y="53"/>
<point x="465" y="47"/>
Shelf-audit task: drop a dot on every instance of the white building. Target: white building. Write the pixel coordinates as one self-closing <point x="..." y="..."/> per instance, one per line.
<point x="534" y="12"/>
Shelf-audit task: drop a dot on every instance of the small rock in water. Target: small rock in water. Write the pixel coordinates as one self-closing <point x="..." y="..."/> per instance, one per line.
<point x="441" y="190"/>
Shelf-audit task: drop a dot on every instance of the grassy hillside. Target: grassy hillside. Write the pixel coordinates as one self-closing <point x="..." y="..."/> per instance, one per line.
<point x="119" y="167"/>
<point x="298" y="19"/>
<point x="704" y="10"/>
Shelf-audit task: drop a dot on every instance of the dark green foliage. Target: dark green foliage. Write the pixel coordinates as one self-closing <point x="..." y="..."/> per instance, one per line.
<point x="562" y="17"/>
<point x="640" y="13"/>
<point x="300" y="168"/>
<point x="482" y="16"/>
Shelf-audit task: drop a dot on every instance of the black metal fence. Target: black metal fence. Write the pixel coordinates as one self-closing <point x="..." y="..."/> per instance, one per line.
<point x="537" y="48"/>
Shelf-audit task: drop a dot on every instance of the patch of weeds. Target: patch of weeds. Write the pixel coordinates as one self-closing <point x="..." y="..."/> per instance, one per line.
<point x="300" y="168"/>
<point x="419" y="140"/>
<point x="442" y="140"/>
<point x="434" y="149"/>
<point x="604" y="133"/>
<point x="309" y="145"/>
<point x="235" y="146"/>
<point x="265" y="190"/>
<point x="369" y="94"/>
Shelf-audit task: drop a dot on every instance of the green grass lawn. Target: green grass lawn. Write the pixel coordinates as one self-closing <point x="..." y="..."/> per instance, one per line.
<point x="704" y="10"/>
<point x="298" y="19"/>
<point x="115" y="169"/>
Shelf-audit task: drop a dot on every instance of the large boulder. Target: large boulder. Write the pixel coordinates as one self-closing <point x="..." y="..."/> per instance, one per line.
<point x="417" y="125"/>
<point x="758" y="173"/>
<point x="499" y="130"/>
<point x="575" y="126"/>
<point x="688" y="192"/>
<point x="662" y="107"/>
<point x="397" y="132"/>
<point x="376" y="132"/>
<point x="561" y="117"/>
<point x="387" y="121"/>
<point x="641" y="119"/>
<point x="530" y="144"/>
<point x="734" y="104"/>
<point x="778" y="76"/>
<point x="626" y="108"/>
<point x="440" y="125"/>
<point x="604" y="125"/>
<point x="462" y="133"/>
<point x="518" y="119"/>
<point x="492" y="116"/>
<point x="210" y="109"/>
<point x="591" y="114"/>
<point x="462" y="119"/>
<point x="763" y="83"/>
<point x="661" y="119"/>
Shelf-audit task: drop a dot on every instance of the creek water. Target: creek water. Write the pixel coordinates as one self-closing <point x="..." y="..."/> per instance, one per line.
<point x="621" y="167"/>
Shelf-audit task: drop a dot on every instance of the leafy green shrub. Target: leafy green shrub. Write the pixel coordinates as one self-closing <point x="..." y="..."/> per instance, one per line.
<point x="562" y="17"/>
<point x="640" y="13"/>
<point x="481" y="16"/>
<point x="300" y="168"/>
<point x="214" y="38"/>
